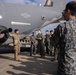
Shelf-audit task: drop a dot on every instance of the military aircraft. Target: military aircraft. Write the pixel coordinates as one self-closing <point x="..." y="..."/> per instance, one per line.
<point x="27" y="18"/>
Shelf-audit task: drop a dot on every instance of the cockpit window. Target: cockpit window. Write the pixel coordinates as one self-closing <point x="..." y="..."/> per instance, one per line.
<point x="27" y="2"/>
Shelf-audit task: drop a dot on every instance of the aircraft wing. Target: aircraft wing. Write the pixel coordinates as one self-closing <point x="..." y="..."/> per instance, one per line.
<point x="54" y="20"/>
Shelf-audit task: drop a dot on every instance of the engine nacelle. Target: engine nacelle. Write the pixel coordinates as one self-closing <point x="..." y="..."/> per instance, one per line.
<point x="4" y="34"/>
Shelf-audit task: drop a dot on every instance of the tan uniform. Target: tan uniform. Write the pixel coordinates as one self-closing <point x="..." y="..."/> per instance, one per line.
<point x="16" y="43"/>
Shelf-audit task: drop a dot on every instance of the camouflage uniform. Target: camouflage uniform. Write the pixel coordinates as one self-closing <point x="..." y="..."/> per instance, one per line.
<point x="47" y="43"/>
<point x="16" y="43"/>
<point x="33" y="45"/>
<point x="67" y="44"/>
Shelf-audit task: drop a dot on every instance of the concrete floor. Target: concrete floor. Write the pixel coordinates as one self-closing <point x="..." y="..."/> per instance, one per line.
<point x="27" y="65"/>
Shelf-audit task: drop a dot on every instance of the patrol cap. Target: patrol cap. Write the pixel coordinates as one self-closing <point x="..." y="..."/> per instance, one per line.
<point x="33" y="32"/>
<point x="39" y="29"/>
<point x="47" y="31"/>
<point x="72" y="7"/>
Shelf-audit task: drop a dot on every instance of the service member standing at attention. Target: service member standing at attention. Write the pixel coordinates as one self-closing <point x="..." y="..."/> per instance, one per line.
<point x="51" y="42"/>
<point x="33" y="44"/>
<point x="16" y="44"/>
<point x="40" y="38"/>
<point x="47" y="42"/>
<point x="67" y="41"/>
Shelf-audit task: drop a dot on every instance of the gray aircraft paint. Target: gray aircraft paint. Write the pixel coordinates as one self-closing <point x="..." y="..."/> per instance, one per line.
<point x="29" y="14"/>
<point x="29" y="17"/>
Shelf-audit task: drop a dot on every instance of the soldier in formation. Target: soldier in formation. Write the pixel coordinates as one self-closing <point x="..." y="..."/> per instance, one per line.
<point x="40" y="39"/>
<point x="47" y="42"/>
<point x="33" y="44"/>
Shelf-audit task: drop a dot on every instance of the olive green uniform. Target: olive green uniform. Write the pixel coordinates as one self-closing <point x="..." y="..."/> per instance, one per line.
<point x="40" y="39"/>
<point x="16" y="44"/>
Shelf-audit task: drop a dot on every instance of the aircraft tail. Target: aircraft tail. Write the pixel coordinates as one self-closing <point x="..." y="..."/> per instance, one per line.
<point x="48" y="3"/>
<point x="58" y="5"/>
